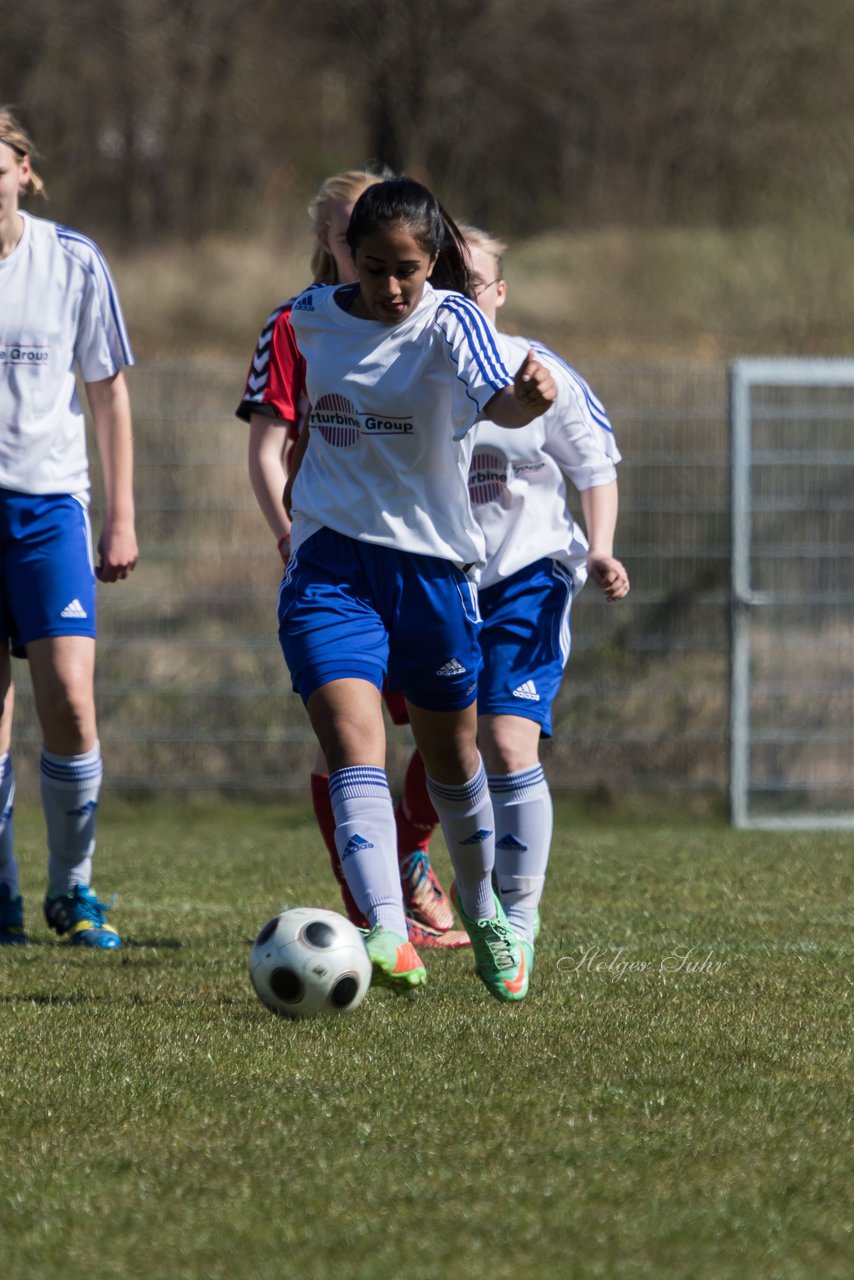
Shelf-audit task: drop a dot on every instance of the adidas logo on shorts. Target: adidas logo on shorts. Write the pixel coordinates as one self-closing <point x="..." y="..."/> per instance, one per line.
<point x="74" y="610"/>
<point x="452" y="668"/>
<point x="527" y="690"/>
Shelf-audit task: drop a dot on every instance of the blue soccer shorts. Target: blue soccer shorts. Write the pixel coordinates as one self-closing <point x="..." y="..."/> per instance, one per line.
<point x="352" y="609"/>
<point x="525" y="642"/>
<point x="47" y="576"/>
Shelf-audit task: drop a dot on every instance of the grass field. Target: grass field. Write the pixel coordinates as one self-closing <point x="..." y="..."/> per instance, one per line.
<point x="672" y="1100"/>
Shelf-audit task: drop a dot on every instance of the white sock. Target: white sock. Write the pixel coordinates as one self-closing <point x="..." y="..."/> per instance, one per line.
<point x="465" y="813"/>
<point x="70" y="787"/>
<point x="8" y="865"/>
<point x="366" y="839"/>
<point x="523" y="835"/>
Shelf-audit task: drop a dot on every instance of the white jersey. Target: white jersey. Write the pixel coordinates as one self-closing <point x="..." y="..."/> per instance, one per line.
<point x="59" y="310"/>
<point x="392" y="407"/>
<point x="517" y="479"/>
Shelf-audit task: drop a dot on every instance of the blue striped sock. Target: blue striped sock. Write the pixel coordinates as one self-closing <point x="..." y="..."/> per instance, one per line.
<point x="366" y="839"/>
<point x="465" y="813"/>
<point x="523" y="834"/>
<point x="70" y="789"/>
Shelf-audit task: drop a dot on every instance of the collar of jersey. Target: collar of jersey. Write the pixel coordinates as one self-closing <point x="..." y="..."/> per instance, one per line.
<point x="428" y="301"/>
<point x="25" y="235"/>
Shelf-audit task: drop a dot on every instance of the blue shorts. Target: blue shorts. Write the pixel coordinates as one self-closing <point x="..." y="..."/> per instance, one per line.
<point x="525" y="642"/>
<point x="47" y="576"/>
<point x="354" y="609"/>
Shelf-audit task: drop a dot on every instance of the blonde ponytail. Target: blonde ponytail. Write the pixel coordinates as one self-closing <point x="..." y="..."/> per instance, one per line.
<point x="16" y="137"/>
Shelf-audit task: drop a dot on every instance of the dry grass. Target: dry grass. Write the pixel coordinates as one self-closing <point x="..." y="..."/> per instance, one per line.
<point x="664" y="293"/>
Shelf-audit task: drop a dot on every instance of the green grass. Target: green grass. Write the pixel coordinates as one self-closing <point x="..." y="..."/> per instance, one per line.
<point x="631" y="1119"/>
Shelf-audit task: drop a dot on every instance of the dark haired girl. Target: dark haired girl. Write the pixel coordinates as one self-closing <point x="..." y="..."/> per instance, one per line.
<point x="382" y="576"/>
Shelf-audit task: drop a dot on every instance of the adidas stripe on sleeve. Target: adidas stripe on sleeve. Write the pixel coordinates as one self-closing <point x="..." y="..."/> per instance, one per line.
<point x="102" y="345"/>
<point x="473" y="350"/>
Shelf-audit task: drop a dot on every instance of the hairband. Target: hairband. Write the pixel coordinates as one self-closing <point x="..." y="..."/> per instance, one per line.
<point x="22" y="151"/>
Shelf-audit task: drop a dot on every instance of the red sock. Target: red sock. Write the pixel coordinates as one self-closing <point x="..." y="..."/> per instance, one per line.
<point x="326" y="821"/>
<point x="415" y="816"/>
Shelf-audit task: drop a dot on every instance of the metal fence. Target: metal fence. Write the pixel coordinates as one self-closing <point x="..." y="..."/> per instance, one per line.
<point x="192" y="690"/>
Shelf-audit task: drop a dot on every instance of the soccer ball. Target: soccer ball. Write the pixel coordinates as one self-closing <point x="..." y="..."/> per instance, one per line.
<point x="308" y="961"/>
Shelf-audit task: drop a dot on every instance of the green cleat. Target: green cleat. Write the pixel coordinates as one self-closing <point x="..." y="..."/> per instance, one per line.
<point x="500" y="956"/>
<point x="395" y="962"/>
<point x="528" y="952"/>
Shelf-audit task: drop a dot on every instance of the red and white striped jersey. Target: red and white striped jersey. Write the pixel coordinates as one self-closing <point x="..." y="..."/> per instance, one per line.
<point x="275" y="383"/>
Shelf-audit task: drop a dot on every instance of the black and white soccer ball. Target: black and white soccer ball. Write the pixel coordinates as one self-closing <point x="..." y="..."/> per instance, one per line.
<point x="308" y="961"/>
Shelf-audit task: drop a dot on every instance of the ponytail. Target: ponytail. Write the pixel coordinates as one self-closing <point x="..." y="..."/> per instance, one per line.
<point x="14" y="135"/>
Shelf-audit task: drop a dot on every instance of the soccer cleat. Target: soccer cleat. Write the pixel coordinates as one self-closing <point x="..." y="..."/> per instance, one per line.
<point x="422" y="936"/>
<point x="395" y="962"/>
<point x="81" y="915"/>
<point x="424" y="899"/>
<point x="11" y="918"/>
<point x="500" y="958"/>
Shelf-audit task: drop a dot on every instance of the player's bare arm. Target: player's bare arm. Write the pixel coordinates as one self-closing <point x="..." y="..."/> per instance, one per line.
<point x="117" y="546"/>
<point x="268" y="473"/>
<point x="296" y="462"/>
<point x="600" y="505"/>
<point x="534" y="390"/>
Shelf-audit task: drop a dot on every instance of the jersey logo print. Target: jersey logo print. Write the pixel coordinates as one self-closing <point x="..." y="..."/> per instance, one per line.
<point x="335" y="417"/>
<point x="15" y="353"/>
<point x="487" y="477"/>
<point x="74" y="610"/>
<point x="452" y="668"/>
<point x="527" y="690"/>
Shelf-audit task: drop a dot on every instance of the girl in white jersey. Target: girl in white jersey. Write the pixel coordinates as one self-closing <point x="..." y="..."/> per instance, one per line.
<point x="384" y="552"/>
<point x="537" y="559"/>
<point x="59" y="314"/>
<point x="275" y="405"/>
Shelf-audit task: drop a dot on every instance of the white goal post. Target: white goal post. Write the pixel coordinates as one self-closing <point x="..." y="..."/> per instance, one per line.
<point x="792" y="593"/>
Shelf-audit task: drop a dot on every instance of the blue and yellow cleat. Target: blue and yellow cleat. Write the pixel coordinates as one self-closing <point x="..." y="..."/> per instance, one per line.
<point x="11" y="918"/>
<point x="81" y="916"/>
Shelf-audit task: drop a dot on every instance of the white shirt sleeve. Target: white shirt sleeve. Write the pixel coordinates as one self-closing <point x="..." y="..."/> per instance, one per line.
<point x="579" y="435"/>
<point x="472" y="350"/>
<point x="102" y="346"/>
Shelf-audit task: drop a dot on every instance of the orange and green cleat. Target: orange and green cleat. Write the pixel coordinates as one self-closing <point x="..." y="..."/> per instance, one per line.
<point x="502" y="961"/>
<point x="395" y="962"/>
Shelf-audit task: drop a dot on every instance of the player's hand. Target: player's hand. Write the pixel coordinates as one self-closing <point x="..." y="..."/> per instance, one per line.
<point x="609" y="574"/>
<point x="284" y="545"/>
<point x="533" y="386"/>
<point x="117" y="551"/>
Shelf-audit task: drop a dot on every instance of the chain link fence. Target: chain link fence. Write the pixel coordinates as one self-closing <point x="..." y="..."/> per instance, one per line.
<point x="193" y="695"/>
